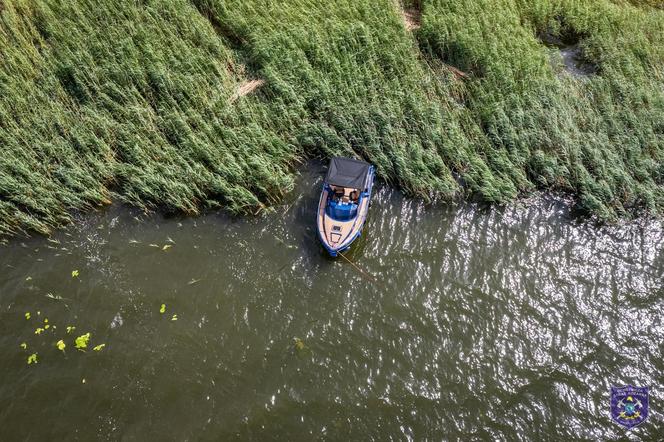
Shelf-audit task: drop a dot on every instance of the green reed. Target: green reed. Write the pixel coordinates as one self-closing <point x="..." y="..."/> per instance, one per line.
<point x="135" y="101"/>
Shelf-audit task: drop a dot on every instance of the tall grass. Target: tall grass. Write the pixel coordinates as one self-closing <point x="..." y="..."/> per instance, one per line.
<point x="130" y="100"/>
<point x="602" y="137"/>
<point x="135" y="101"/>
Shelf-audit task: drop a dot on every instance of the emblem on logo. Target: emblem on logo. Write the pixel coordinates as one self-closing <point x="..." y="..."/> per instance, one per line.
<point x="629" y="405"/>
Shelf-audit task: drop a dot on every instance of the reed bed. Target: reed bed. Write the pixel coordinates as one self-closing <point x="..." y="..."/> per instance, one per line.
<point x="147" y="102"/>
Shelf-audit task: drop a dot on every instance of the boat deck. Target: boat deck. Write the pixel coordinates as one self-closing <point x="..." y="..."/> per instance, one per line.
<point x="338" y="235"/>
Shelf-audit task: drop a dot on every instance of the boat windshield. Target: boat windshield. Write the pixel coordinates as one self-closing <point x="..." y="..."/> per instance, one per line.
<point x="341" y="211"/>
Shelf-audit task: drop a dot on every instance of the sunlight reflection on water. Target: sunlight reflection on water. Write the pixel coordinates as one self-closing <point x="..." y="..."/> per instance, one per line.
<point x="495" y="324"/>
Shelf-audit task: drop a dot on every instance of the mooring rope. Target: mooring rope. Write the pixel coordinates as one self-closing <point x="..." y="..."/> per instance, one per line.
<point x="365" y="274"/>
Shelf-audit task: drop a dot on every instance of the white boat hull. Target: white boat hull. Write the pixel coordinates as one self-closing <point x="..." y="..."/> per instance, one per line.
<point x="338" y="235"/>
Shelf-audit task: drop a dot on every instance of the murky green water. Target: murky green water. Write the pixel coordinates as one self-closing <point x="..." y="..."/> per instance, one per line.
<point x="483" y="325"/>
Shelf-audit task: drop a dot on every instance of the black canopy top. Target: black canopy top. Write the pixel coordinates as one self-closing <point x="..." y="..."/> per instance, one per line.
<point x="346" y="172"/>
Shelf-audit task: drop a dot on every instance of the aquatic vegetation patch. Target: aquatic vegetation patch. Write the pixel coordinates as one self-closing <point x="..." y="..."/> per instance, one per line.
<point x="595" y="136"/>
<point x="81" y="342"/>
<point x="185" y="105"/>
<point x="299" y="344"/>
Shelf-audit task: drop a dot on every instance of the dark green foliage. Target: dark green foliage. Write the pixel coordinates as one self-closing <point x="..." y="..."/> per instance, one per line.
<point x="136" y="101"/>
<point x="599" y="137"/>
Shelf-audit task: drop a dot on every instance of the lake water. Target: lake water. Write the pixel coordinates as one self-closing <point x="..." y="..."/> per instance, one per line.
<point x="467" y="323"/>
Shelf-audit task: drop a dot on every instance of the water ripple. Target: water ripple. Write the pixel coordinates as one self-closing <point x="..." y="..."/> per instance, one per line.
<point x="476" y="324"/>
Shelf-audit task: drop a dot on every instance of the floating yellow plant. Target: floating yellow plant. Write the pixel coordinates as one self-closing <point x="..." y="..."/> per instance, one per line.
<point x="163" y="308"/>
<point x="24" y="346"/>
<point x="61" y="345"/>
<point x="32" y="359"/>
<point x="299" y="344"/>
<point x="82" y="341"/>
<point x="74" y="273"/>
<point x="39" y="331"/>
<point x="99" y="347"/>
<point x="166" y="247"/>
<point x="27" y="315"/>
<point x="174" y="318"/>
<point x="70" y="328"/>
